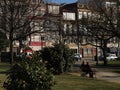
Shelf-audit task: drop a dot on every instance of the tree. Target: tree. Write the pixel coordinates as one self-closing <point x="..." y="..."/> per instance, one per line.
<point x="102" y="25"/>
<point x="4" y="42"/>
<point x="58" y="58"/>
<point x="110" y="11"/>
<point x="16" y="17"/>
<point x="29" y="74"/>
<point x="99" y="36"/>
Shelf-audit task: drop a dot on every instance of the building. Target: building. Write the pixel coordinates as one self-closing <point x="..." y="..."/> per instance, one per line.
<point x="54" y="23"/>
<point x="73" y="28"/>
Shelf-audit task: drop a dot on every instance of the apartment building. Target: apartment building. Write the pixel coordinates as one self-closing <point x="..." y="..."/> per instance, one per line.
<point x="62" y="22"/>
<point x="36" y="40"/>
<point x="65" y="22"/>
<point x="52" y="23"/>
<point x="48" y="23"/>
<point x="73" y="28"/>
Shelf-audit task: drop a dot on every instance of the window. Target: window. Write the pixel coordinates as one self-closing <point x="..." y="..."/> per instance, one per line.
<point x="111" y="4"/>
<point x="32" y="38"/>
<point x="35" y="38"/>
<point x="68" y="16"/>
<point x="53" y="9"/>
<point x="42" y="38"/>
<point x="34" y="1"/>
<point x="80" y="15"/>
<point x="90" y="51"/>
<point x="85" y="51"/>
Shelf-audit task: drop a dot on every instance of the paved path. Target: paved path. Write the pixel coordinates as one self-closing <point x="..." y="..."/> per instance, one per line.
<point x="107" y="76"/>
<point x="101" y="74"/>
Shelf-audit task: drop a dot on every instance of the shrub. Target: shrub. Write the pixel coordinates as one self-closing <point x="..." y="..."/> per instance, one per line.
<point x="29" y="74"/>
<point x="59" y="58"/>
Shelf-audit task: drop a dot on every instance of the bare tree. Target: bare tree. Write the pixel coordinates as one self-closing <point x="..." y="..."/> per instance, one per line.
<point x="110" y="9"/>
<point x="16" y="17"/>
<point x="99" y="36"/>
<point x="103" y="25"/>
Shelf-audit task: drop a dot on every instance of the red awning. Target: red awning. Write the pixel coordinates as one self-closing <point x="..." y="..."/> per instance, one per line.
<point x="28" y="51"/>
<point x="37" y="43"/>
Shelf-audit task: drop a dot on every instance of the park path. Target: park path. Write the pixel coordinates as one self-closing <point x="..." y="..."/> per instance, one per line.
<point x="101" y="74"/>
<point x="107" y="76"/>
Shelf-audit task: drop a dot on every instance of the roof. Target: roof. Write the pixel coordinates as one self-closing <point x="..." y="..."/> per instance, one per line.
<point x="70" y="7"/>
<point x="52" y="3"/>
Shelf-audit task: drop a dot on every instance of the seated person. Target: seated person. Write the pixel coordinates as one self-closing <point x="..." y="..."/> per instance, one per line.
<point x="86" y="69"/>
<point x="82" y="66"/>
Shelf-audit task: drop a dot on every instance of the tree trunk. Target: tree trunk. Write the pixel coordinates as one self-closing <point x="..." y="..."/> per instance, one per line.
<point x="11" y="52"/>
<point x="104" y="52"/>
<point x="11" y="43"/>
<point x="20" y="46"/>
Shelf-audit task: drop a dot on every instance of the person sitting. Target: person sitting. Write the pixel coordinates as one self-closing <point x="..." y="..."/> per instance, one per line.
<point x="86" y="69"/>
<point x="82" y="66"/>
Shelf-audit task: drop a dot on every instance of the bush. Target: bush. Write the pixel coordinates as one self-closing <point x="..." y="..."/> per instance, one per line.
<point x="29" y="74"/>
<point x="59" y="58"/>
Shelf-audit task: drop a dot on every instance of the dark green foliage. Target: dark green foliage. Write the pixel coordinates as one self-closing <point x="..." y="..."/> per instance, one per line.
<point x="59" y="58"/>
<point x="27" y="48"/>
<point x="4" y="42"/>
<point x="29" y="74"/>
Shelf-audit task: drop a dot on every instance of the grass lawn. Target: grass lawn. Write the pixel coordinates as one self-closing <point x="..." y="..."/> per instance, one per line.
<point x="115" y="64"/>
<point x="4" y="67"/>
<point x="112" y="66"/>
<point x="2" y="79"/>
<point x="112" y="63"/>
<point x="70" y="82"/>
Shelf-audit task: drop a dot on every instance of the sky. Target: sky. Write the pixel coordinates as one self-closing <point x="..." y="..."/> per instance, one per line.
<point x="63" y="1"/>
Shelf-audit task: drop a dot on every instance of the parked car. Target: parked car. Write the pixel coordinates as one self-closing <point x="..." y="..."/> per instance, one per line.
<point x="101" y="58"/>
<point x="77" y="56"/>
<point x="111" y="57"/>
